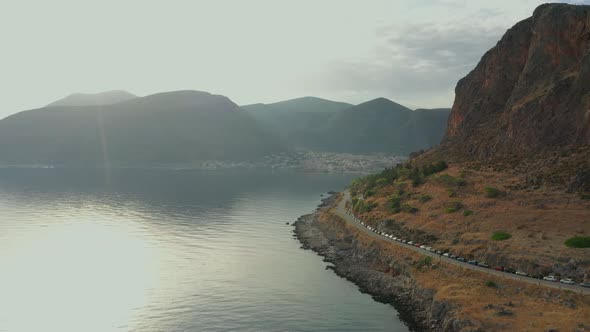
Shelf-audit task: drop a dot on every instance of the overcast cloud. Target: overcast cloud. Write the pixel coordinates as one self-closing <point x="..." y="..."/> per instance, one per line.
<point x="411" y="51"/>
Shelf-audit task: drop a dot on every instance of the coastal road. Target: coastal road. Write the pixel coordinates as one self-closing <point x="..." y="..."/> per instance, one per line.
<point x="340" y="210"/>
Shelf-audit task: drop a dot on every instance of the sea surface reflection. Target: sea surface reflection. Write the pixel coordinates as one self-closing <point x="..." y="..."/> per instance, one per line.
<point x="154" y="250"/>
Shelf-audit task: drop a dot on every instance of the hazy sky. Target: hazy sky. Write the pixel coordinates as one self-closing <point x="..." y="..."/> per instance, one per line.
<point x="410" y="51"/>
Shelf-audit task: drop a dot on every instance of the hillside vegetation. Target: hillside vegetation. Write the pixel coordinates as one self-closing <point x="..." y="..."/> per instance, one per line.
<point x="539" y="231"/>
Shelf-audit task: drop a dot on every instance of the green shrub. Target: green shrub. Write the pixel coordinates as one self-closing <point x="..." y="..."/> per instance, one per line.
<point x="395" y="204"/>
<point x="424" y="198"/>
<point x="367" y="207"/>
<point x="491" y="192"/>
<point x="453" y="206"/>
<point x="381" y="182"/>
<point x="578" y="242"/>
<point x="417" y="181"/>
<point x="501" y="236"/>
<point x="450" y="180"/>
<point x="491" y="284"/>
<point x="467" y="213"/>
<point x="452" y="192"/>
<point x="423" y="262"/>
<point x="434" y="168"/>
<point x="401" y="188"/>
<point x="409" y="208"/>
<point x="389" y="222"/>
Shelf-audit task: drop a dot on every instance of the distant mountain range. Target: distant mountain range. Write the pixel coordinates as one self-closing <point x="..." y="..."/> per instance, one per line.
<point x="94" y="99"/>
<point x="164" y="128"/>
<point x="183" y="127"/>
<point x="376" y="126"/>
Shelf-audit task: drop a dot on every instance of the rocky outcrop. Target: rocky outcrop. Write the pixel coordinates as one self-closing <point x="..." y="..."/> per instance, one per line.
<point x="528" y="94"/>
<point x="387" y="279"/>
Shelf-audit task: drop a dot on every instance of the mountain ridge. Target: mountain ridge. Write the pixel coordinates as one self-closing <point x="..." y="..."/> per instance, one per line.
<point x="89" y="99"/>
<point x="151" y="130"/>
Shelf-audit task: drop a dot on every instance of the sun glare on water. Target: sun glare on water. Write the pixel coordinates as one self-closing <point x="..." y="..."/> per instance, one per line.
<point x="79" y="276"/>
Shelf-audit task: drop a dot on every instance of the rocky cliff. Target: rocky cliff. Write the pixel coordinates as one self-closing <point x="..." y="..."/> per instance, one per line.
<point x="528" y="94"/>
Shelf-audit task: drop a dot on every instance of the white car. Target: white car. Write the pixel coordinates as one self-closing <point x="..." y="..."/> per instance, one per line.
<point x="446" y="254"/>
<point x="567" y="281"/>
<point x="520" y="273"/>
<point x="550" y="278"/>
<point x="422" y="247"/>
<point x="410" y="242"/>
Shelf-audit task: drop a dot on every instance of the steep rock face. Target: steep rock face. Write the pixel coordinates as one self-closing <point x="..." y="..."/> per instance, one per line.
<point x="529" y="93"/>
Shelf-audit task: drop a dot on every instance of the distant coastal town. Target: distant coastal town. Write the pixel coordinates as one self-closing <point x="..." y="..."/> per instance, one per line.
<point x="314" y="161"/>
<point x="329" y="162"/>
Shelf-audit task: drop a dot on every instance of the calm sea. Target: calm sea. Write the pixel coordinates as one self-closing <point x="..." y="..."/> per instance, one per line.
<point x="145" y="250"/>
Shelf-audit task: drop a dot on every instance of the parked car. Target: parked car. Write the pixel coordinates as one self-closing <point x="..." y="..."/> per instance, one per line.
<point x="550" y="278"/>
<point x="453" y="257"/>
<point x="520" y="273"/>
<point x="472" y="262"/>
<point x="482" y="264"/>
<point x="509" y="270"/>
<point x="410" y="242"/>
<point x="499" y="268"/>
<point x="422" y="247"/>
<point x="461" y="259"/>
<point x="446" y="254"/>
<point x="403" y="241"/>
<point x="417" y="245"/>
<point x="567" y="281"/>
<point x="438" y="252"/>
<point x="585" y="284"/>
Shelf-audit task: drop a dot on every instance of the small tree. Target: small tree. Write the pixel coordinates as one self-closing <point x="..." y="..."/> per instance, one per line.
<point x="491" y="192"/>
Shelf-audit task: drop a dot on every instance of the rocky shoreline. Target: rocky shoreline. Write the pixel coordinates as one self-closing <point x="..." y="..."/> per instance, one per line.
<point x="386" y="278"/>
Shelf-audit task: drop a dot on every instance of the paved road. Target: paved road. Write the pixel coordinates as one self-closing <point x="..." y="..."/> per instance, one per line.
<point x="341" y="212"/>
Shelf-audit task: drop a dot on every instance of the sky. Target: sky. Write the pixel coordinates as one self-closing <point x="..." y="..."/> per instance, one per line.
<point x="410" y="51"/>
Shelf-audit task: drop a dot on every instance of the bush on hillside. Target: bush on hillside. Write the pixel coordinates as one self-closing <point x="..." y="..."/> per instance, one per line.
<point x="491" y="284"/>
<point x="501" y="236"/>
<point x="578" y="242"/>
<point x="467" y="213"/>
<point x="449" y="180"/>
<point x="424" y="198"/>
<point x="366" y="207"/>
<point x="395" y="204"/>
<point x="409" y="208"/>
<point x="453" y="206"/>
<point x="491" y="192"/>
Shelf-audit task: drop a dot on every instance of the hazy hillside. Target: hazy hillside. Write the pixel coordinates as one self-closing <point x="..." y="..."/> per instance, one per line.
<point x="376" y="126"/>
<point x="300" y="105"/>
<point x="94" y="99"/>
<point x="299" y="121"/>
<point x="173" y="127"/>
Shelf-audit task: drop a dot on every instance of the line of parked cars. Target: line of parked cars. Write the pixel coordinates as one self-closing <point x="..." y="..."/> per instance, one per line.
<point x="567" y="281"/>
